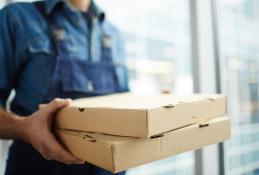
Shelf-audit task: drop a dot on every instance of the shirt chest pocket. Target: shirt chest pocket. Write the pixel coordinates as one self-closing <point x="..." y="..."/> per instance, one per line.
<point x="40" y="45"/>
<point x="38" y="69"/>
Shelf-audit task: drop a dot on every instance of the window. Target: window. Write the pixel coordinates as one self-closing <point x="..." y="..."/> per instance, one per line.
<point x="158" y="42"/>
<point x="158" y="48"/>
<point x="2" y="3"/>
<point x="238" y="22"/>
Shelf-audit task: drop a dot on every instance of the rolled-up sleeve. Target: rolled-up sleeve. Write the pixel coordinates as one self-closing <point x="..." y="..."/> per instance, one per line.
<point x="7" y="63"/>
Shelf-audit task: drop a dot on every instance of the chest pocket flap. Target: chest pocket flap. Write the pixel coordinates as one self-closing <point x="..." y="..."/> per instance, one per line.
<point x="40" y="45"/>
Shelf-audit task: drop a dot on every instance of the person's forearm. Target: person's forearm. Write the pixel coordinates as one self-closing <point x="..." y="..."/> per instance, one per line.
<point x="36" y="130"/>
<point x="11" y="126"/>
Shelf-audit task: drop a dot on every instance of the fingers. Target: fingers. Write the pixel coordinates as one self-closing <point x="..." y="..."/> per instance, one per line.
<point x="42" y="106"/>
<point x="58" y="153"/>
<point x="43" y="139"/>
<point x="56" y="105"/>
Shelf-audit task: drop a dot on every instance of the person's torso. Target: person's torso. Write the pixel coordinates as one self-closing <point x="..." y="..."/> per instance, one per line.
<point x="86" y="61"/>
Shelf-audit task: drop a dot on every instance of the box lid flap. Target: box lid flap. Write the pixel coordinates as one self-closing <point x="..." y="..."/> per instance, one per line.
<point x="142" y="102"/>
<point x="114" y="140"/>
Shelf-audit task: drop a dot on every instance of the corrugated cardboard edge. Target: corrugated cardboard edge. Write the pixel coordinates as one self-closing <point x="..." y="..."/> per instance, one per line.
<point x="113" y="159"/>
<point x="226" y="104"/>
<point x="147" y="124"/>
<point x="65" y="138"/>
<point x="123" y="151"/>
<point x="114" y="126"/>
<point x="183" y="120"/>
<point x="143" y="128"/>
<point x="223" y="123"/>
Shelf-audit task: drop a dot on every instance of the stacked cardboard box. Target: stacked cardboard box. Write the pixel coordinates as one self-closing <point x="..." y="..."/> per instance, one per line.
<point x="118" y="132"/>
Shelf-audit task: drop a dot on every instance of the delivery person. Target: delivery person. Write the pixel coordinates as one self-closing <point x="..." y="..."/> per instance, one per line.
<point x="51" y="51"/>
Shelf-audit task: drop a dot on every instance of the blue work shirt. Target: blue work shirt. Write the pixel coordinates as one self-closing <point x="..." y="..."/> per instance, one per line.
<point x="33" y="55"/>
<point x="27" y="52"/>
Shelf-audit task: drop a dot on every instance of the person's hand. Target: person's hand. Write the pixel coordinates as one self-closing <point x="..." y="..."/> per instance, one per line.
<point x="37" y="129"/>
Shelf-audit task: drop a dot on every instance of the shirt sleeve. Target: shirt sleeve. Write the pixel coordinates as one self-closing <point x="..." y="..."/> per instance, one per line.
<point x="6" y="57"/>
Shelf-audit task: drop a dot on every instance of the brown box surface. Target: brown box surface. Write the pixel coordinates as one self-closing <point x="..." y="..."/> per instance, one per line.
<point x="116" y="153"/>
<point x="139" y="116"/>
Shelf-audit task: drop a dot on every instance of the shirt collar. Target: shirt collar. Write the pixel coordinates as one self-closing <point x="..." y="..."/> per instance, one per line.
<point x="94" y="10"/>
<point x="50" y="5"/>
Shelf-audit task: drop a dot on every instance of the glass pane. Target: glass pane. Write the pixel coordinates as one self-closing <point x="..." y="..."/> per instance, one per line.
<point x="2" y="3"/>
<point x="158" y="49"/>
<point x="239" y="56"/>
<point x="157" y="41"/>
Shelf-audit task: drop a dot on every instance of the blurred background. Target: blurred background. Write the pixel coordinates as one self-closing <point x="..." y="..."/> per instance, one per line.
<point x="194" y="46"/>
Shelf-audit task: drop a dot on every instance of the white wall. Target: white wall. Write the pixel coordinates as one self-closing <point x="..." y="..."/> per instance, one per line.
<point x="4" y="145"/>
<point x="3" y="154"/>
